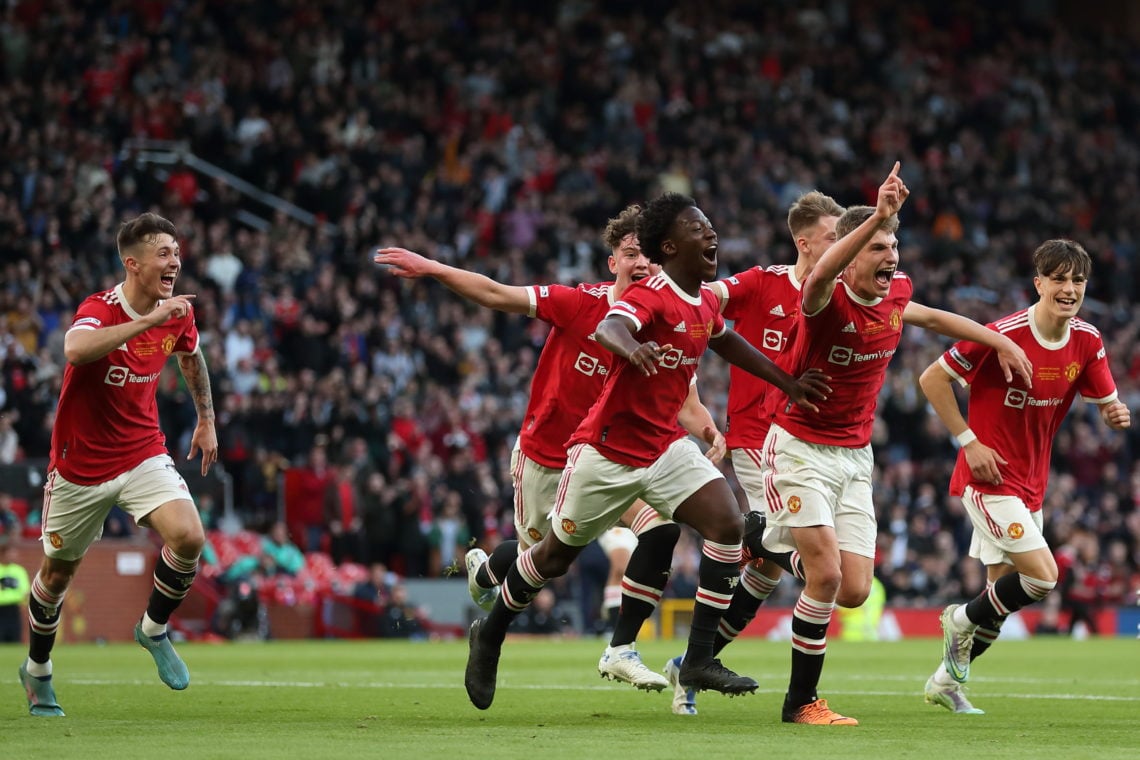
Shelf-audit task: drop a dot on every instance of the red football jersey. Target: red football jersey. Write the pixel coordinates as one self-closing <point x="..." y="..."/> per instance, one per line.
<point x="107" y="418"/>
<point x="1020" y="423"/>
<point x="571" y="368"/>
<point x="763" y="304"/>
<point x="635" y="418"/>
<point x="852" y="340"/>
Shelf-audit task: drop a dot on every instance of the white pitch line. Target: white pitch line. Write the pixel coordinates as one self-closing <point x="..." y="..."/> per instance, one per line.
<point x="562" y="687"/>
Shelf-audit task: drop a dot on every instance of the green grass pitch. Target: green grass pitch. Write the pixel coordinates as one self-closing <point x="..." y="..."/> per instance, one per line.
<point x="1046" y="697"/>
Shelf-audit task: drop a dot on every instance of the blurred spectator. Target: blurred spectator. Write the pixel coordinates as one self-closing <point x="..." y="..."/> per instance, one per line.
<point x="241" y="614"/>
<point x="343" y="517"/>
<point x="543" y="616"/>
<point x="9" y="441"/>
<point x="401" y="619"/>
<point x="14" y="587"/>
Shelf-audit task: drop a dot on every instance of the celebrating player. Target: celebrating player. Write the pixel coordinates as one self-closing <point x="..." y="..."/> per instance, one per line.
<point x="818" y="483"/>
<point x="107" y="449"/>
<point x="629" y="446"/>
<point x="1005" y="448"/>
<point x="568" y="379"/>
<point x="763" y="304"/>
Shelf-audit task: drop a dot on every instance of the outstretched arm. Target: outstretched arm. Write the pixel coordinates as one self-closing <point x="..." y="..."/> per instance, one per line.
<point x="472" y="286"/>
<point x="938" y="386"/>
<point x="197" y="378"/>
<point x="696" y="418"/>
<point x="736" y="350"/>
<point x="821" y="282"/>
<point x="1010" y="356"/>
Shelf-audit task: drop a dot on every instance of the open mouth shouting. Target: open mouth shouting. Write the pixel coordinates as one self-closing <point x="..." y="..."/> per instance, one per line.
<point x="709" y="254"/>
<point x="883" y="277"/>
<point x="167" y="281"/>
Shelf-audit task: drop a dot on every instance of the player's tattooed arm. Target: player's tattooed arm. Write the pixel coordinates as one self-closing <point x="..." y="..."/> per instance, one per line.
<point x="205" y="437"/>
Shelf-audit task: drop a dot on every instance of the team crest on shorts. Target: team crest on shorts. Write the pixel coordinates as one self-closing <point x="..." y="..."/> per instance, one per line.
<point x="794" y="504"/>
<point x="533" y="533"/>
<point x="1016" y="531"/>
<point x="55" y="540"/>
<point x="569" y="527"/>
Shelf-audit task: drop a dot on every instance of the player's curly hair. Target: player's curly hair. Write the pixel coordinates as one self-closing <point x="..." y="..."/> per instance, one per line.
<point x="656" y="219"/>
<point x="621" y="225"/>
<point x="143" y="228"/>
<point x="1062" y="256"/>
<point x="856" y="215"/>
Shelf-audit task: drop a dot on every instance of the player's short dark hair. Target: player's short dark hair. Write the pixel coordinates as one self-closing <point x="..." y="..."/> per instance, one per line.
<point x="809" y="208"/>
<point x="856" y="215"/>
<point x="655" y="220"/>
<point x="144" y="228"/>
<point x="1062" y="257"/>
<point x="621" y="225"/>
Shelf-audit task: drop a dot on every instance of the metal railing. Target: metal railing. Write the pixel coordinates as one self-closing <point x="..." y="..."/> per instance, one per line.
<point x="164" y="153"/>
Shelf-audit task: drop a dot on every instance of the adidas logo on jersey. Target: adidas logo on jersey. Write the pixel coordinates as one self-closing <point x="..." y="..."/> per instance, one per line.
<point x="777" y="311"/>
<point x="849" y="327"/>
<point x="681" y="328"/>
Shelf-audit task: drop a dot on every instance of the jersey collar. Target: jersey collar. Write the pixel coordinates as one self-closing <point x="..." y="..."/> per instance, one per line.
<point x="1052" y="345"/>
<point x="858" y="299"/>
<point x="694" y="300"/>
<point x="125" y="303"/>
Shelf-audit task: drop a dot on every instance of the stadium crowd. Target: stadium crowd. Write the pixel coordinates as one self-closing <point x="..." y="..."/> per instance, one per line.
<point x="500" y="137"/>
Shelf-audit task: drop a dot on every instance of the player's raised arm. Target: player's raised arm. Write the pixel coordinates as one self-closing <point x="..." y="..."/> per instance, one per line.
<point x="820" y="284"/>
<point x="473" y="286"/>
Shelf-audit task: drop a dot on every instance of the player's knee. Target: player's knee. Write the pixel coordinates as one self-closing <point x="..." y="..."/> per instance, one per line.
<point x="667" y="534"/>
<point x="827" y="581"/>
<point x="553" y="558"/>
<point x="56" y="578"/>
<point x="188" y="541"/>
<point x="724" y="528"/>
<point x="852" y="597"/>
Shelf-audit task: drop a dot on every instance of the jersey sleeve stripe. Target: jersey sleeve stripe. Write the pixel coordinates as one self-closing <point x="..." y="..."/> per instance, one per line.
<point x="627" y="315"/>
<point x="530" y="296"/>
<point x="1080" y="326"/>
<point x="1098" y="401"/>
<point x="951" y="371"/>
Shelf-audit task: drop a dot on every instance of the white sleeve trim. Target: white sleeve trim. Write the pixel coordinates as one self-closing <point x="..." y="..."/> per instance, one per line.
<point x="627" y="315"/>
<point x="533" y="301"/>
<point x="952" y="372"/>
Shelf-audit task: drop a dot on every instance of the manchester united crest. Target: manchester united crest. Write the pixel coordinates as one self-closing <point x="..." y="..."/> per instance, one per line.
<point x="1072" y="371"/>
<point x="55" y="540"/>
<point x="569" y="527"/>
<point x="168" y="345"/>
<point x="1016" y="531"/>
<point x="534" y="534"/>
<point x="896" y="319"/>
<point x="794" y="504"/>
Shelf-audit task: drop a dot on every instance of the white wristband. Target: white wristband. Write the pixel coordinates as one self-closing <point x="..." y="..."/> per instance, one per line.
<point x="966" y="437"/>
